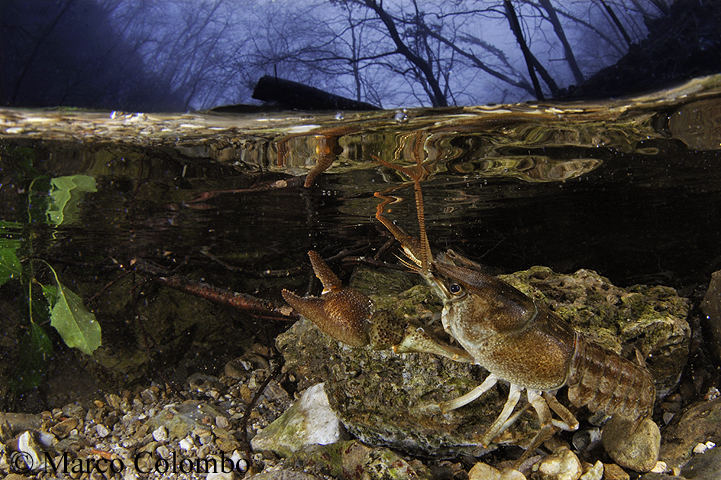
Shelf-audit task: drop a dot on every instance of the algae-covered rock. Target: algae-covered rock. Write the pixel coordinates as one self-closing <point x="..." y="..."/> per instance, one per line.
<point x="354" y="461"/>
<point x="384" y="398"/>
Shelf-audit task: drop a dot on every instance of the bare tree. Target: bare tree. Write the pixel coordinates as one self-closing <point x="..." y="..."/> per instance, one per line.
<point x="201" y="53"/>
<point x="560" y="33"/>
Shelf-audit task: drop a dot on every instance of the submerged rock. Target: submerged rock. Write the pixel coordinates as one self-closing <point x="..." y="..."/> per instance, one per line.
<point x="310" y="421"/>
<point x="711" y="307"/>
<point x="638" y="450"/>
<point x="699" y="423"/>
<point x="387" y="399"/>
<point x="352" y="460"/>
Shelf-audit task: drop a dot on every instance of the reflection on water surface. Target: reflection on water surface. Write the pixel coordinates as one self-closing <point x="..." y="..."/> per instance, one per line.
<point x="629" y="188"/>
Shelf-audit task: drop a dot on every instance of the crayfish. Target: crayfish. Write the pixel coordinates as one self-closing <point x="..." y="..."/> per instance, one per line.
<point x="516" y="338"/>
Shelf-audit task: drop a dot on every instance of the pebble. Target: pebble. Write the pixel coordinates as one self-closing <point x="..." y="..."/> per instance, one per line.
<point x="594" y="473"/>
<point x="702" y="447"/>
<point x="562" y="464"/>
<point x="660" y="467"/>
<point x="63" y="429"/>
<point x="101" y="431"/>
<point x="160" y="434"/>
<point x="221" y="421"/>
<point x="186" y="444"/>
<point x="482" y="471"/>
<point x="638" y="451"/>
<point x="611" y="471"/>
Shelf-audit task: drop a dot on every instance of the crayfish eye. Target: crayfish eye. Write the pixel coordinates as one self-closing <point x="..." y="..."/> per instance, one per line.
<point x="455" y="289"/>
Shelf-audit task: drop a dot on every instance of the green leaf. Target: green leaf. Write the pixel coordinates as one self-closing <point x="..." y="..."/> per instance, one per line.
<point x="66" y="193"/>
<point x="10" y="266"/>
<point x="76" y="325"/>
<point x="50" y="294"/>
<point x="36" y="349"/>
<point x="4" y="224"/>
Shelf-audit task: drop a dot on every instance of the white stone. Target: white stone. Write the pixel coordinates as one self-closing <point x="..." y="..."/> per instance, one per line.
<point x="186" y="444"/>
<point x="220" y="476"/>
<point x="309" y="421"/>
<point x="700" y="448"/>
<point x="563" y="464"/>
<point x="29" y="451"/>
<point x="512" y="474"/>
<point x="482" y="471"/>
<point x="101" y="430"/>
<point x="594" y="473"/>
<point x="660" y="467"/>
<point x="160" y="434"/>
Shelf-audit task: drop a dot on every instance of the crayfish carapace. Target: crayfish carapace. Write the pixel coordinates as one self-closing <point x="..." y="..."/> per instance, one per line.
<point x="516" y="338"/>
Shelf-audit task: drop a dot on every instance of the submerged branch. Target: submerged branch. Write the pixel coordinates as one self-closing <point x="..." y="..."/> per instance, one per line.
<point x="239" y="301"/>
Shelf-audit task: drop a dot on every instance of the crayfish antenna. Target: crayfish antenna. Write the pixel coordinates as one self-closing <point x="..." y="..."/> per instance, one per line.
<point x="418" y="251"/>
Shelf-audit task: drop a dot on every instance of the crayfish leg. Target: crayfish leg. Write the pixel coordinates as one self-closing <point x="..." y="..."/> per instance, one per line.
<point x="568" y="420"/>
<point x="487" y="384"/>
<point x="501" y="423"/>
<point x="543" y="403"/>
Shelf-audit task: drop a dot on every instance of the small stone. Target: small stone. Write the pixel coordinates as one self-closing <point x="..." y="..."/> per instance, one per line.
<point x="220" y="476"/>
<point x="221" y="421"/>
<point x="637" y="450"/>
<point x="101" y="430"/>
<point x="160" y="434"/>
<point x="700" y="448"/>
<point x="74" y="410"/>
<point x="611" y="471"/>
<point x="660" y="467"/>
<point x="47" y="440"/>
<point x="239" y="461"/>
<point x="594" y="473"/>
<point x="225" y="441"/>
<point x="149" y="396"/>
<point x="114" y="401"/>
<point x="246" y="394"/>
<point x="512" y="474"/>
<point x="482" y="471"/>
<point x="186" y="444"/>
<point x="667" y="417"/>
<point x="163" y="451"/>
<point x="563" y="464"/>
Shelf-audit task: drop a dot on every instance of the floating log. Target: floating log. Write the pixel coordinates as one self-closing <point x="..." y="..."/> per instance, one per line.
<point x="294" y="95"/>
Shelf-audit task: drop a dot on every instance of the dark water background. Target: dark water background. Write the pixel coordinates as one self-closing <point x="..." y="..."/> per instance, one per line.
<point x="634" y="195"/>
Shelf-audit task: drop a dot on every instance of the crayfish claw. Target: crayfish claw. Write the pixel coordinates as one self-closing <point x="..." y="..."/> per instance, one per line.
<point x="342" y="312"/>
